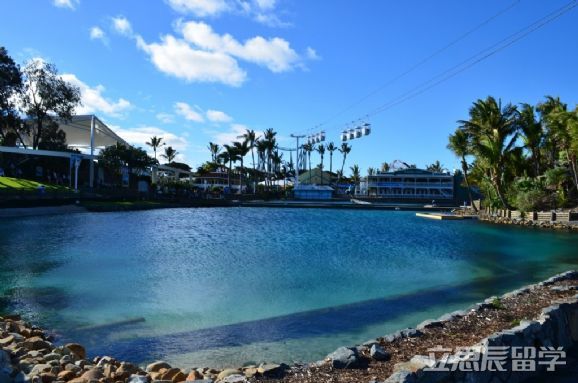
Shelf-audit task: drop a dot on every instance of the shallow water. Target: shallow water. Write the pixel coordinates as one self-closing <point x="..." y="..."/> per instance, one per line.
<point x="220" y="287"/>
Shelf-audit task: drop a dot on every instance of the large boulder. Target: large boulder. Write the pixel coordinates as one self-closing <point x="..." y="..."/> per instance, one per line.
<point x="36" y="343"/>
<point x="228" y="372"/>
<point x="93" y="374"/>
<point x="77" y="349"/>
<point x="378" y="353"/>
<point x="344" y="357"/>
<point x="156" y="366"/>
<point x="271" y="369"/>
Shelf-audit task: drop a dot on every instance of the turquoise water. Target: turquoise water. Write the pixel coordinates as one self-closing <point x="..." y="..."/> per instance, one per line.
<point x="218" y="287"/>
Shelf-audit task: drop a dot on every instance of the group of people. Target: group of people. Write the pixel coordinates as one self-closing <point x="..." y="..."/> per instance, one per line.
<point x="12" y="171"/>
<point x="56" y="178"/>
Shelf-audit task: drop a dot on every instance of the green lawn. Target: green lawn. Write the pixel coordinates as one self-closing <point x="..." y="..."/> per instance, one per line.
<point x="9" y="184"/>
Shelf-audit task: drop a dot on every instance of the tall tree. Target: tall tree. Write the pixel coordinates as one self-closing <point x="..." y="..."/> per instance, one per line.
<point x="321" y="151"/>
<point x="251" y="137"/>
<point x="170" y="154"/>
<point x="242" y="148"/>
<point x="532" y="135"/>
<point x="46" y="94"/>
<point x="10" y="87"/>
<point x="494" y="132"/>
<point x="331" y="148"/>
<point x="345" y="149"/>
<point x="384" y="167"/>
<point x="459" y="144"/>
<point x="550" y="146"/>
<point x="215" y="150"/>
<point x="116" y="156"/>
<point x="270" y="142"/>
<point x="436" y="167"/>
<point x="563" y="125"/>
<point x="155" y="142"/>
<point x="355" y="175"/>
<point x="231" y="154"/>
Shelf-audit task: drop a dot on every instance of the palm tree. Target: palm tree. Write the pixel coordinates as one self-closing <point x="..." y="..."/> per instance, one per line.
<point x="436" y="167"/>
<point x="261" y="146"/>
<point x="546" y="109"/>
<point x="170" y="154"/>
<point x="155" y="143"/>
<point x="308" y="148"/>
<point x="459" y="144"/>
<point x="276" y="160"/>
<point x="331" y="148"/>
<point x="321" y="151"/>
<point x="270" y="145"/>
<point x="229" y="155"/>
<point x="242" y="149"/>
<point x="370" y="171"/>
<point x="494" y="132"/>
<point x="344" y="150"/>
<point x="251" y="137"/>
<point x="355" y="175"/>
<point x="532" y="135"/>
<point x="214" y="149"/>
<point x="564" y="129"/>
<point x="384" y="167"/>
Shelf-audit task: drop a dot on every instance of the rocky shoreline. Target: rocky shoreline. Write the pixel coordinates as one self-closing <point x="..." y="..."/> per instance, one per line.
<point x="27" y="354"/>
<point x="560" y="226"/>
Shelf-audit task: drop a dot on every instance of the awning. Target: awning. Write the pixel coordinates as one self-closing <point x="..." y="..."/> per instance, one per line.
<point x="78" y="133"/>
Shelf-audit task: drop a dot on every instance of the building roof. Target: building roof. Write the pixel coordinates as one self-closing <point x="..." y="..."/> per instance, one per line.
<point x="316" y="177"/>
<point x="78" y="133"/>
<point x="412" y="171"/>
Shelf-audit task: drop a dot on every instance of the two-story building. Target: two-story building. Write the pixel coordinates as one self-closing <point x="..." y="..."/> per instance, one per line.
<point x="408" y="184"/>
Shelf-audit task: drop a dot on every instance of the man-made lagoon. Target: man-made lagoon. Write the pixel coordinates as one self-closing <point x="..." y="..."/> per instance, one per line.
<point x="224" y="286"/>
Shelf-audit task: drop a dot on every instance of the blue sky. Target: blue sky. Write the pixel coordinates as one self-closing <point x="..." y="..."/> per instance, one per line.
<point x="194" y="71"/>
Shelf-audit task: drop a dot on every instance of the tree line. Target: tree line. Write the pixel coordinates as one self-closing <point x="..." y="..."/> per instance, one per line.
<point x="38" y="92"/>
<point x="520" y="156"/>
<point x="267" y="160"/>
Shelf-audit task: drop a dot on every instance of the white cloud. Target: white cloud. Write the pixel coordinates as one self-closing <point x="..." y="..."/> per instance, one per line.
<point x="311" y="54"/>
<point x="177" y="58"/>
<point x="200" y="8"/>
<point x="70" y="4"/>
<point x="122" y="25"/>
<point x="165" y="118"/>
<point x="262" y="11"/>
<point x="94" y="102"/>
<point x="97" y="34"/>
<point x="218" y="116"/>
<point x="266" y="4"/>
<point x="185" y="110"/>
<point x="271" y="20"/>
<point x="231" y="135"/>
<point x="275" y="53"/>
<point x="139" y="137"/>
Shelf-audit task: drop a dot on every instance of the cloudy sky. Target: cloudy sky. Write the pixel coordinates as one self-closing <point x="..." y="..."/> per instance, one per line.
<point x="194" y="71"/>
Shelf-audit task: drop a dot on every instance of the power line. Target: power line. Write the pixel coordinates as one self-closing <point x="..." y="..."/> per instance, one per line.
<point x="472" y="60"/>
<point x="421" y="62"/>
<point x="477" y="58"/>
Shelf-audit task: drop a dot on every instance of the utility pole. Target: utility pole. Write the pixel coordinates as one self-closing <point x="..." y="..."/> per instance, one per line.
<point x="297" y="161"/>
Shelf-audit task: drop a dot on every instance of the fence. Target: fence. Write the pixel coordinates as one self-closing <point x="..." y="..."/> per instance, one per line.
<point x="540" y="216"/>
